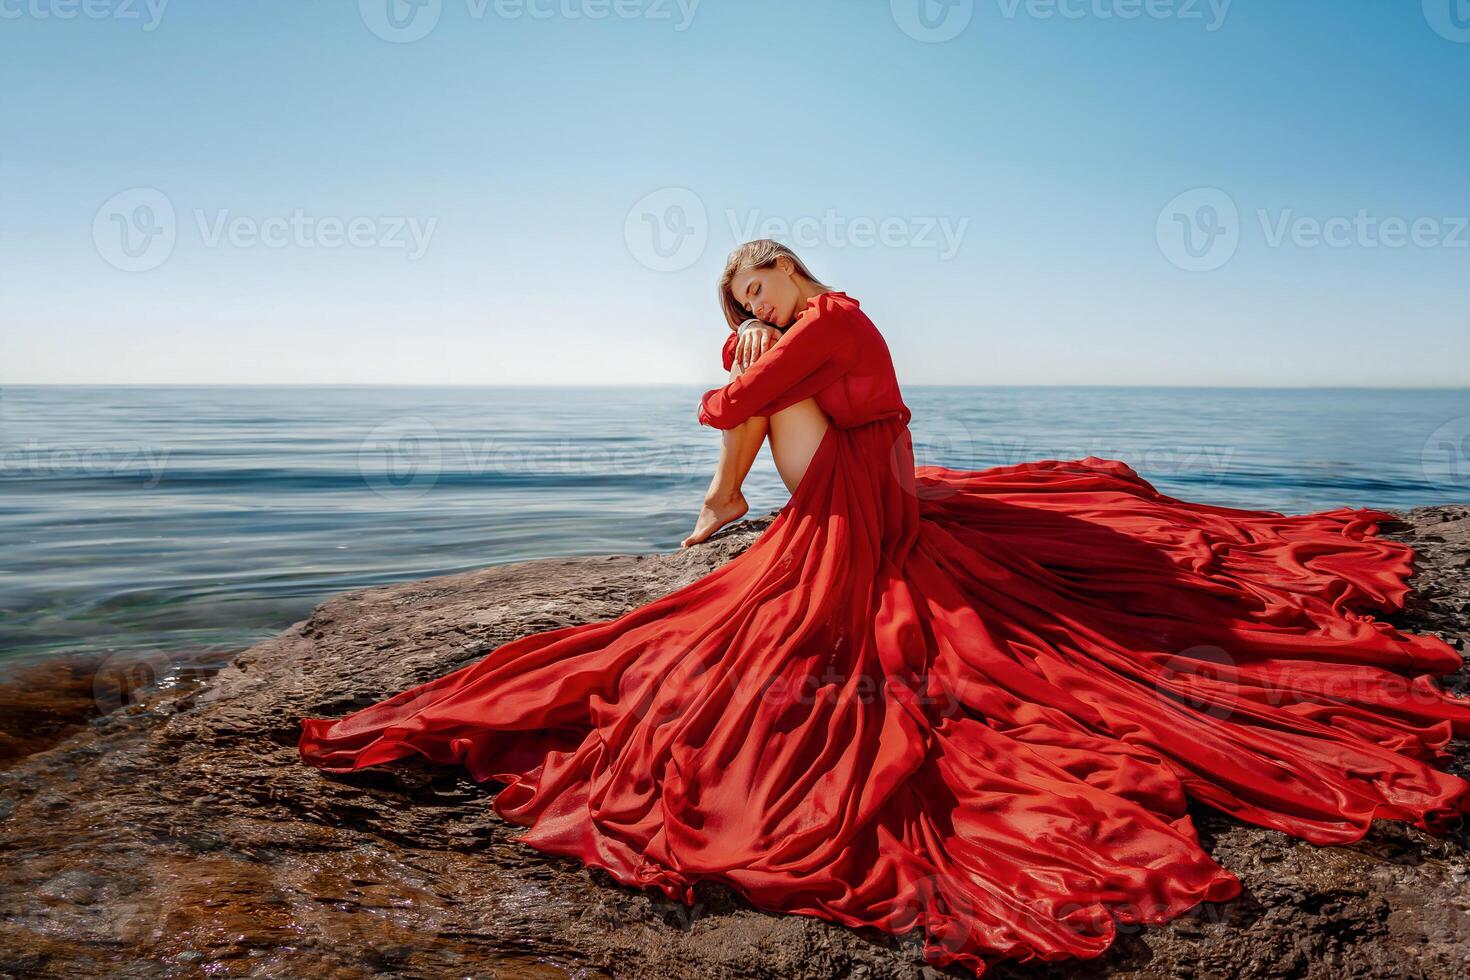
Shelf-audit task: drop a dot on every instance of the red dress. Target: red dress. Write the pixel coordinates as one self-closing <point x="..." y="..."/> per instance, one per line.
<point x="972" y="702"/>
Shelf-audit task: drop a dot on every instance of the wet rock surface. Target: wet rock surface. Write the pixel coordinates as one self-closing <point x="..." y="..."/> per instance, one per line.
<point x="180" y="835"/>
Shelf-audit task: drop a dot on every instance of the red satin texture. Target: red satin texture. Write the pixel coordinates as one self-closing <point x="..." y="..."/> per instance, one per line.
<point x="969" y="702"/>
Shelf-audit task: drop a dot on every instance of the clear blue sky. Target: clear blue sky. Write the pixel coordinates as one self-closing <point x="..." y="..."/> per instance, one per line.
<point x="1051" y="141"/>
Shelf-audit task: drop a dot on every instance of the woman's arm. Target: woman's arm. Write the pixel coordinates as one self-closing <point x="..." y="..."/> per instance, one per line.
<point x="815" y="352"/>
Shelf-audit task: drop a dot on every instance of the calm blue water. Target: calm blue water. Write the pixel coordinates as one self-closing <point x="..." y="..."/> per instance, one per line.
<point x="182" y="518"/>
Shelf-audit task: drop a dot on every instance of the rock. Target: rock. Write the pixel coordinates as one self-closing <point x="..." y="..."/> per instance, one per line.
<point x="181" y="831"/>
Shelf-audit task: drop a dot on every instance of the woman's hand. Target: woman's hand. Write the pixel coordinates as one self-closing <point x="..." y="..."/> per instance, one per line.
<point x="755" y="339"/>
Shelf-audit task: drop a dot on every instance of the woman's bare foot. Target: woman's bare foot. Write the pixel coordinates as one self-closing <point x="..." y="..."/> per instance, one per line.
<point x="715" y="514"/>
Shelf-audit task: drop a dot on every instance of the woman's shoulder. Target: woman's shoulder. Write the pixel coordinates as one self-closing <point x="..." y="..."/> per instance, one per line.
<point x="833" y="305"/>
<point x="835" y="310"/>
<point x="834" y="299"/>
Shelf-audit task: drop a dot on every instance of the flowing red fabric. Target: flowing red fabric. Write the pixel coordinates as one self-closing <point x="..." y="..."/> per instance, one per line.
<point x="970" y="702"/>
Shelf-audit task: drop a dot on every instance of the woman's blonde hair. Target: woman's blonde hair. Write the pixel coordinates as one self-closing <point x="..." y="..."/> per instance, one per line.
<point x="759" y="254"/>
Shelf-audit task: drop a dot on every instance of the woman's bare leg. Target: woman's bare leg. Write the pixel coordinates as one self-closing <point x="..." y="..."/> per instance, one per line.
<point x="794" y="433"/>
<point x="723" y="501"/>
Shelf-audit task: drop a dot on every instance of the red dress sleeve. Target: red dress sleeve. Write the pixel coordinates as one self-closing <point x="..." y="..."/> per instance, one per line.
<point x="816" y="351"/>
<point x="729" y="351"/>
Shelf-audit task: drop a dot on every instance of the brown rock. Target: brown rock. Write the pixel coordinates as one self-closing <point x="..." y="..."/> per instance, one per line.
<point x="181" y="835"/>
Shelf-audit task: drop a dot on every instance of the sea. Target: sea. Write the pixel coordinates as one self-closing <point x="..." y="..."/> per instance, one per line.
<point x="176" y="518"/>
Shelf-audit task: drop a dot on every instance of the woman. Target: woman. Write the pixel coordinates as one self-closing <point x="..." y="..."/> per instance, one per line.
<point x="971" y="702"/>
<point x="774" y="287"/>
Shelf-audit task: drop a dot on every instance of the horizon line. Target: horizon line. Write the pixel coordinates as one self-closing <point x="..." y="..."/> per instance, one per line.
<point x="689" y="384"/>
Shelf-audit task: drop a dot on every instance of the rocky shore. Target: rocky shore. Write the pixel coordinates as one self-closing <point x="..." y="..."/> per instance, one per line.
<point x="178" y="834"/>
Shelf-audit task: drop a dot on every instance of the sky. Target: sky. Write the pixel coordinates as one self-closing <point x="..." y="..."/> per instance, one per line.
<point x="1120" y="192"/>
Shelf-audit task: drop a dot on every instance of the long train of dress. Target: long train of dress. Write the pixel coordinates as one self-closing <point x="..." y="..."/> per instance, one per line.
<point x="972" y="702"/>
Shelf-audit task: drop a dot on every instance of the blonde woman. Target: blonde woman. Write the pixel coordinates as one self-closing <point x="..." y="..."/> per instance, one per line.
<point x="763" y="290"/>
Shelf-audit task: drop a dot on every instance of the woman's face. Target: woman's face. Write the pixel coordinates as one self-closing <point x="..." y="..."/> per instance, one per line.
<point x="770" y="294"/>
